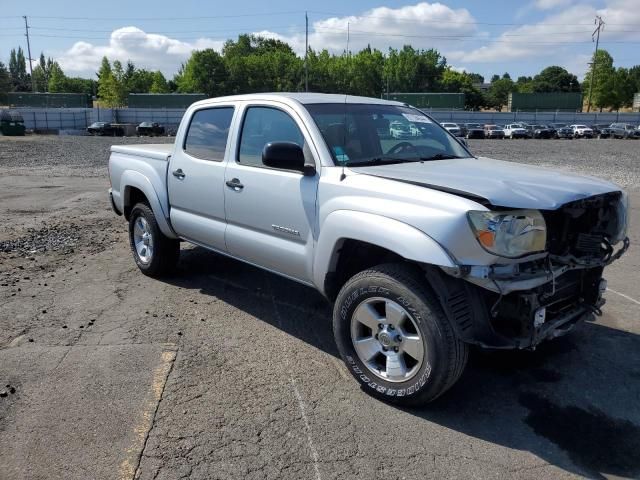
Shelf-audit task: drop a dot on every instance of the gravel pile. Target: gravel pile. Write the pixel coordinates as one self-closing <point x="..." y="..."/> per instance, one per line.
<point x="63" y="238"/>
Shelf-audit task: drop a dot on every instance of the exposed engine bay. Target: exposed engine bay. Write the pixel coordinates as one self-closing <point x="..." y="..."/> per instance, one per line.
<point x="546" y="294"/>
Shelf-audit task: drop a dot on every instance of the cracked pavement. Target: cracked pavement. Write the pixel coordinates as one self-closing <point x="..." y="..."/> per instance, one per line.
<point x="226" y="371"/>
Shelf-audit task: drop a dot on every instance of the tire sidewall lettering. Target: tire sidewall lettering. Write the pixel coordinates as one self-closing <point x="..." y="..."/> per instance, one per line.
<point x="354" y="364"/>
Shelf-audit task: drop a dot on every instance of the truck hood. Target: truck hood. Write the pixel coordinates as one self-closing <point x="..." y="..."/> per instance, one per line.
<point x="496" y="182"/>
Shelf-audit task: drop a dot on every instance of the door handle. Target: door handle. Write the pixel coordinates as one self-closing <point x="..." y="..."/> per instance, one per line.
<point x="178" y="173"/>
<point x="235" y="184"/>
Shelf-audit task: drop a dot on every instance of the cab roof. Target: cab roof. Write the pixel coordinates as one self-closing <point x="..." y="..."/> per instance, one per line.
<point x="302" y="97"/>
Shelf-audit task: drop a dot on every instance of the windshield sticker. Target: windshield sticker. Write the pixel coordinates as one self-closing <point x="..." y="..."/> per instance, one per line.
<point x="412" y="117"/>
<point x="340" y="154"/>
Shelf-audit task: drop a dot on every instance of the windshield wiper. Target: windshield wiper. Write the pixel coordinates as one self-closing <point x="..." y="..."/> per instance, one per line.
<point x="439" y="156"/>
<point x="381" y="161"/>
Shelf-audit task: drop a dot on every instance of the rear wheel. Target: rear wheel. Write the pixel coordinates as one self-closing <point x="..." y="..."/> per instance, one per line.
<point x="394" y="337"/>
<point x="154" y="253"/>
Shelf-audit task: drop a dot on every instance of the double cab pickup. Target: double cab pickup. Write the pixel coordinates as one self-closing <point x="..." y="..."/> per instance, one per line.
<point x="423" y="248"/>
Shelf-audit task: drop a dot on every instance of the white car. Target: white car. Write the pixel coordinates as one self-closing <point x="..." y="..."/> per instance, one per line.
<point x="400" y="130"/>
<point x="515" y="130"/>
<point x="453" y="129"/>
<point x="581" y="131"/>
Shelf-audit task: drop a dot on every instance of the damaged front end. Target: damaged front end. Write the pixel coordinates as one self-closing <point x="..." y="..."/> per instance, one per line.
<point x="521" y="302"/>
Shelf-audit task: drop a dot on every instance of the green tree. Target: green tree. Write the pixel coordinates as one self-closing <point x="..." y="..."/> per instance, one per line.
<point x="110" y="88"/>
<point x="18" y="71"/>
<point x="555" y="79"/>
<point x="461" y="82"/>
<point x="498" y="94"/>
<point x="204" y="72"/>
<point x="603" y="79"/>
<point x="5" y="82"/>
<point x="57" y="80"/>
<point x="159" y="83"/>
<point x="524" y="84"/>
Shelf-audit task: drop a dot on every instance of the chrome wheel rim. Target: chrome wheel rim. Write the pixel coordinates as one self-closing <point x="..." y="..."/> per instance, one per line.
<point x="387" y="340"/>
<point x="143" y="239"/>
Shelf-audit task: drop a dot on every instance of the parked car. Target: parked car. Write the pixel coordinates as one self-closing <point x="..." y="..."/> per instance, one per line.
<point x="515" y="130"/>
<point x="624" y="130"/>
<point x="539" y="131"/>
<point x="601" y="130"/>
<point x="399" y="129"/>
<point x="422" y="248"/>
<point x="565" y="132"/>
<point x="493" y="131"/>
<point x="473" y="130"/>
<point x="552" y="129"/>
<point x="101" y="128"/>
<point x="151" y="129"/>
<point x="581" y="131"/>
<point x="453" y="129"/>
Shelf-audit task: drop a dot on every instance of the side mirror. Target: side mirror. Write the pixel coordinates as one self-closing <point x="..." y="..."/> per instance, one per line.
<point x="286" y="156"/>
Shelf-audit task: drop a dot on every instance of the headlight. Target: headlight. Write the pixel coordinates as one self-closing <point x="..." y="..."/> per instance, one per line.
<point x="512" y="233"/>
<point x="622" y="212"/>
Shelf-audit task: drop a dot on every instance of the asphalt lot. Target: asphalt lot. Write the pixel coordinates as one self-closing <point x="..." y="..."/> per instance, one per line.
<point x="225" y="371"/>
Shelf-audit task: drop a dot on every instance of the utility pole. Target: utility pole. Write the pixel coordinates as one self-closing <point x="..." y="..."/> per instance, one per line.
<point x="347" y="39"/>
<point x="26" y="28"/>
<point x="596" y="33"/>
<point x="306" y="52"/>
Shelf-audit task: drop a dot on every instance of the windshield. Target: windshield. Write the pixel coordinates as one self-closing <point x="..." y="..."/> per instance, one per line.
<point x="368" y="134"/>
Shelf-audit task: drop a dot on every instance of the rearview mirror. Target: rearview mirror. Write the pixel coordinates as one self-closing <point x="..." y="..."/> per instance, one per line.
<point x="285" y="156"/>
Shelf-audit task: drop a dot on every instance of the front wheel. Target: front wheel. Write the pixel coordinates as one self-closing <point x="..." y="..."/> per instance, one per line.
<point x="154" y="253"/>
<point x="394" y="336"/>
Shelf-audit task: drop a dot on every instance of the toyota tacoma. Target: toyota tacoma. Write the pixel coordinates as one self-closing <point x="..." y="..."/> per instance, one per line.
<point x="423" y="248"/>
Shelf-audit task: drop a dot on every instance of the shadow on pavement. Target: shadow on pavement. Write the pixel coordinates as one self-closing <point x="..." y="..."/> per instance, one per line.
<point x="574" y="402"/>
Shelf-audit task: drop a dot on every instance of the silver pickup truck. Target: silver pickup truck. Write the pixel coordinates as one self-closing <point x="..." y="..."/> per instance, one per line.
<point x="423" y="248"/>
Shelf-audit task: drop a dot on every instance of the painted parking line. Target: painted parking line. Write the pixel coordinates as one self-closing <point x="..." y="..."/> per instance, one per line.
<point x="624" y="296"/>
<point x="129" y="468"/>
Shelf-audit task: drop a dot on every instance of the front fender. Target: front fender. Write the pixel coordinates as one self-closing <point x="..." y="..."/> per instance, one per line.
<point x="132" y="179"/>
<point x="396" y="236"/>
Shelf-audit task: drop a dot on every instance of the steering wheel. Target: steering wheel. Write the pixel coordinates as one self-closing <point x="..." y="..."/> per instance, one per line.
<point x="401" y="147"/>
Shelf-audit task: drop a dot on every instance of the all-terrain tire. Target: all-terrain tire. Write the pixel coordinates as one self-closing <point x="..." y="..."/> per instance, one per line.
<point x="165" y="251"/>
<point x="444" y="354"/>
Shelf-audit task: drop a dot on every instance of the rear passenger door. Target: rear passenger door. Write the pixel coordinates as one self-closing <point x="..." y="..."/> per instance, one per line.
<point x="196" y="177"/>
<point x="270" y="212"/>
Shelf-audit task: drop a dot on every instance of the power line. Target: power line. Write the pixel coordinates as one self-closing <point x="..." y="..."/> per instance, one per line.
<point x="437" y="22"/>
<point x="200" y="17"/>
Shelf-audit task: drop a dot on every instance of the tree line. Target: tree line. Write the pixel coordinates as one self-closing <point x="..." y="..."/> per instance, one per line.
<point x="256" y="64"/>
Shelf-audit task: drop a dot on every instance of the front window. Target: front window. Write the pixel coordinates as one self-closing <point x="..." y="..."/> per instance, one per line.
<point x="368" y="134"/>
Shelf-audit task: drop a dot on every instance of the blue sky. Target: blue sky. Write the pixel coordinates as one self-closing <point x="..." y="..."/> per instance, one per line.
<point x="489" y="36"/>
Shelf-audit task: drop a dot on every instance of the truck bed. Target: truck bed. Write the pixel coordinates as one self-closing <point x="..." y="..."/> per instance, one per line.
<point x="157" y="151"/>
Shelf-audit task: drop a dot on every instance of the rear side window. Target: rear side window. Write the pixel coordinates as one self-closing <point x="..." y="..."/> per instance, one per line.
<point x="208" y="133"/>
<point x="263" y="125"/>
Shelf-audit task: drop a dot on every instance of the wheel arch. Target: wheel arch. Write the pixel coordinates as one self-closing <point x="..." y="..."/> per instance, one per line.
<point x="351" y="241"/>
<point x="136" y="188"/>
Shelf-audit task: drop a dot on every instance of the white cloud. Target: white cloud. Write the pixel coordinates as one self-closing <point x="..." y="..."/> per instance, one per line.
<point x="550" y="4"/>
<point x="555" y="37"/>
<point x="424" y="25"/>
<point x="146" y="50"/>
